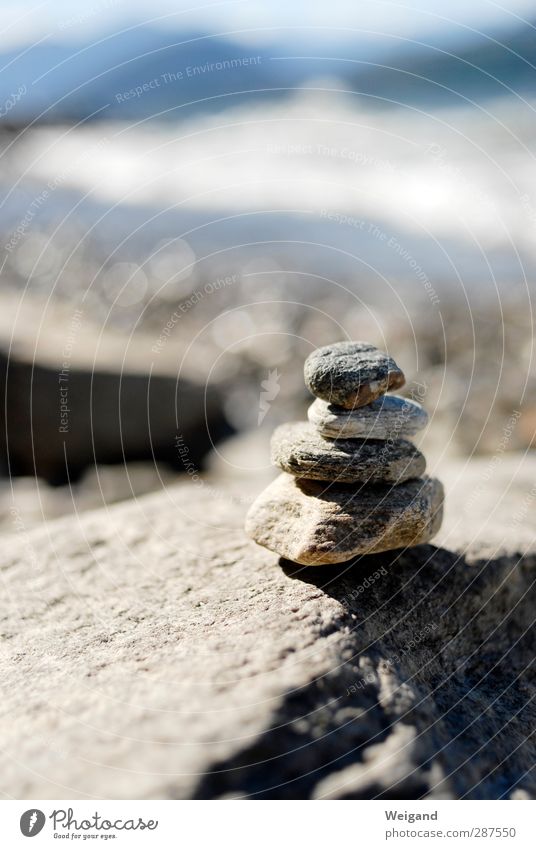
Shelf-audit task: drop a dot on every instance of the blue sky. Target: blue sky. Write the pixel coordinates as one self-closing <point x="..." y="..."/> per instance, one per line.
<point x="23" y="21"/>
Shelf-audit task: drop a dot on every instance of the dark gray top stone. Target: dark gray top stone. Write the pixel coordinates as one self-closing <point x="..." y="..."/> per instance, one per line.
<point x="351" y="374"/>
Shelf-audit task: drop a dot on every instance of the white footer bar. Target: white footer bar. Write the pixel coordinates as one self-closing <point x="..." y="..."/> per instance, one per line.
<point x="270" y="824"/>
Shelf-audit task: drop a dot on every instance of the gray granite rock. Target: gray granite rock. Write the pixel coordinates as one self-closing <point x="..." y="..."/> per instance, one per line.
<point x="151" y="651"/>
<point x="388" y="417"/>
<point x="316" y="524"/>
<point x="298" y="448"/>
<point x="351" y="374"/>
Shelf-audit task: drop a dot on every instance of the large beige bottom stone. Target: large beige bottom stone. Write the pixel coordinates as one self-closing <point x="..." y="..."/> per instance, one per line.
<point x="314" y="523"/>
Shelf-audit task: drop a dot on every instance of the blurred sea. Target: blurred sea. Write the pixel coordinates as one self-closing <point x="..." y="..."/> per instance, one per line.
<point x="319" y="182"/>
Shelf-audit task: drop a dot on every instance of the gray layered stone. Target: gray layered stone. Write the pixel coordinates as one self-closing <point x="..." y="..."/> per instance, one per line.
<point x="298" y="448"/>
<point x="388" y="417"/>
<point x="315" y="524"/>
<point x="351" y="374"/>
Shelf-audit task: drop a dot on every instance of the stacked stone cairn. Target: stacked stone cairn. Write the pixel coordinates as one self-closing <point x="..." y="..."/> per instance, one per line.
<point x="352" y="482"/>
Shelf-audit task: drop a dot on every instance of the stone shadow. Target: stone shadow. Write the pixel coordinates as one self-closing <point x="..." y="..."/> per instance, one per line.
<point x="449" y="644"/>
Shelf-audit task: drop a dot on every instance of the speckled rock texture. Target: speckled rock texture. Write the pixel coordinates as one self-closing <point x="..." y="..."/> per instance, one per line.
<point x="389" y="417"/>
<point x="351" y="374"/>
<point x="313" y="523"/>
<point x="297" y="448"/>
<point x="150" y="650"/>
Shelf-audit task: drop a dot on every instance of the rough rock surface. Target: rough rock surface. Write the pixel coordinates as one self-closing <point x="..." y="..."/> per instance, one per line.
<point x="151" y="650"/>
<point x="351" y="374"/>
<point x="389" y="417"/>
<point x="314" y="524"/>
<point x="298" y="448"/>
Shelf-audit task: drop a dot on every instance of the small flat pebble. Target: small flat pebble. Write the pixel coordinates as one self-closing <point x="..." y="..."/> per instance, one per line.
<point x="388" y="417"/>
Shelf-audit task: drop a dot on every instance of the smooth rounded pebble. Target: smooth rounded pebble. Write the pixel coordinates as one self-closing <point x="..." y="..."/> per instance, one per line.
<point x="388" y="417"/>
<point x="314" y="524"/>
<point x="298" y="448"/>
<point x="351" y="374"/>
